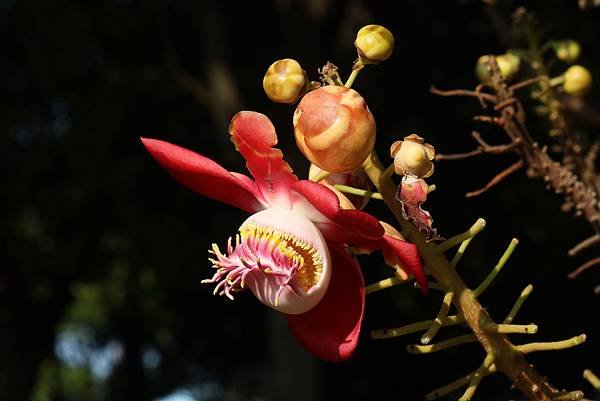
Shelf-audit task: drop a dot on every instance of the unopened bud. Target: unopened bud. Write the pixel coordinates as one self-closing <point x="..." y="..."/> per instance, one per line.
<point x="334" y="128"/>
<point x="567" y="50"/>
<point x="413" y="157"/>
<point x="578" y="80"/>
<point x="285" y="81"/>
<point x="374" y="44"/>
<point x="508" y="64"/>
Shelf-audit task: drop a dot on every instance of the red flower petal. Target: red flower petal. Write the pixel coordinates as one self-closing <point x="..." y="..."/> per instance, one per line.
<point x="254" y="137"/>
<point x="339" y="225"/>
<point x="407" y="254"/>
<point x="205" y="176"/>
<point x="330" y="330"/>
<point x="412" y="192"/>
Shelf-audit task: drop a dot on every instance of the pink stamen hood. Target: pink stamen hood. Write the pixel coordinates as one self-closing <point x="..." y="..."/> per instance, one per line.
<point x="280" y="256"/>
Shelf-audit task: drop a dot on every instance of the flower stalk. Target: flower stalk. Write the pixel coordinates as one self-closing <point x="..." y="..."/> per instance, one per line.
<point x="437" y="322"/>
<point x="518" y="303"/>
<point x="383" y="284"/>
<point x="460" y="238"/>
<point x="512" y="328"/>
<point x="442" y="345"/>
<point x="496" y="270"/>
<point x="356" y="191"/>
<point x="592" y="378"/>
<point x="414" y="327"/>
<point x="552" y="346"/>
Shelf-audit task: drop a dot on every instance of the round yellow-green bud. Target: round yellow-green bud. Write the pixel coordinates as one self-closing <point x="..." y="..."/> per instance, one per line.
<point x="507" y="63"/>
<point x="374" y="44"/>
<point x="578" y="80"/>
<point x="285" y="81"/>
<point x="567" y="50"/>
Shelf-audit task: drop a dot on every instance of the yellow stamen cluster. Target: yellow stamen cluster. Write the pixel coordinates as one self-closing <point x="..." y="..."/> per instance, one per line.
<point x="299" y="252"/>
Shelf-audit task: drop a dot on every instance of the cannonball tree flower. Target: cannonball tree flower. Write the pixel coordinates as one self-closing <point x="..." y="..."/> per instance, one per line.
<point x="292" y="252"/>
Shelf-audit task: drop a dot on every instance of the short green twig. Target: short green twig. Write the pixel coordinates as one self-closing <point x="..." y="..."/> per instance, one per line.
<point x="570" y="396"/>
<point x="511" y="328"/>
<point x="321" y="175"/>
<point x="461" y="250"/>
<point x="356" y="68"/>
<point x="414" y="327"/>
<point x="551" y="346"/>
<point x="455" y="385"/>
<point x="437" y="322"/>
<point x="592" y="378"/>
<point x="442" y="345"/>
<point x="476" y="378"/>
<point x="488" y="280"/>
<point x="356" y="191"/>
<point x="457" y="239"/>
<point x="383" y="284"/>
<point x="517" y="306"/>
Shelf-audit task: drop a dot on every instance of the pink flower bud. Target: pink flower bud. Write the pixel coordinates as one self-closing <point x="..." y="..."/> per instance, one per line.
<point x="334" y="128"/>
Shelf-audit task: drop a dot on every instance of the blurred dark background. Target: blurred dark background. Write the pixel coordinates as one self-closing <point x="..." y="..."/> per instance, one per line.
<point x="102" y="253"/>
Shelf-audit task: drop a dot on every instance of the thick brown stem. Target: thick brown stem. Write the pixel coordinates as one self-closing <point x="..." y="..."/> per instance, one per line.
<point x="507" y="358"/>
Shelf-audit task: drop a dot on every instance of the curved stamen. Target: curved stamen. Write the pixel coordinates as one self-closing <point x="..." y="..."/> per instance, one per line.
<point x="282" y="258"/>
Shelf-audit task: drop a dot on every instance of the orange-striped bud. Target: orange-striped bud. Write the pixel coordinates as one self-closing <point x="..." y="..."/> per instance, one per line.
<point x="334" y="128"/>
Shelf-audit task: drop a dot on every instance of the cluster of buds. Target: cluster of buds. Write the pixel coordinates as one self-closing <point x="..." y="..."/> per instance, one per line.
<point x="333" y="125"/>
<point x="576" y="81"/>
<point x="508" y="64"/>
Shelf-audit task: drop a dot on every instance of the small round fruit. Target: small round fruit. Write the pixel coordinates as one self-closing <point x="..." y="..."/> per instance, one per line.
<point x="567" y="50"/>
<point x="508" y="64"/>
<point x="578" y="80"/>
<point x="374" y="44"/>
<point x="285" y="81"/>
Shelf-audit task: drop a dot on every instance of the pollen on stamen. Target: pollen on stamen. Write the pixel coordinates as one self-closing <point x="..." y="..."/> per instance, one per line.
<point x="267" y="254"/>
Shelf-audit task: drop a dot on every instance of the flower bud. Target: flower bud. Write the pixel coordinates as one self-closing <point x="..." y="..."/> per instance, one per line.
<point x="567" y="50"/>
<point x="578" y="80"/>
<point x="334" y="128"/>
<point x="508" y="64"/>
<point x="374" y="44"/>
<point x="285" y="81"/>
<point x="356" y="179"/>
<point x="413" y="157"/>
